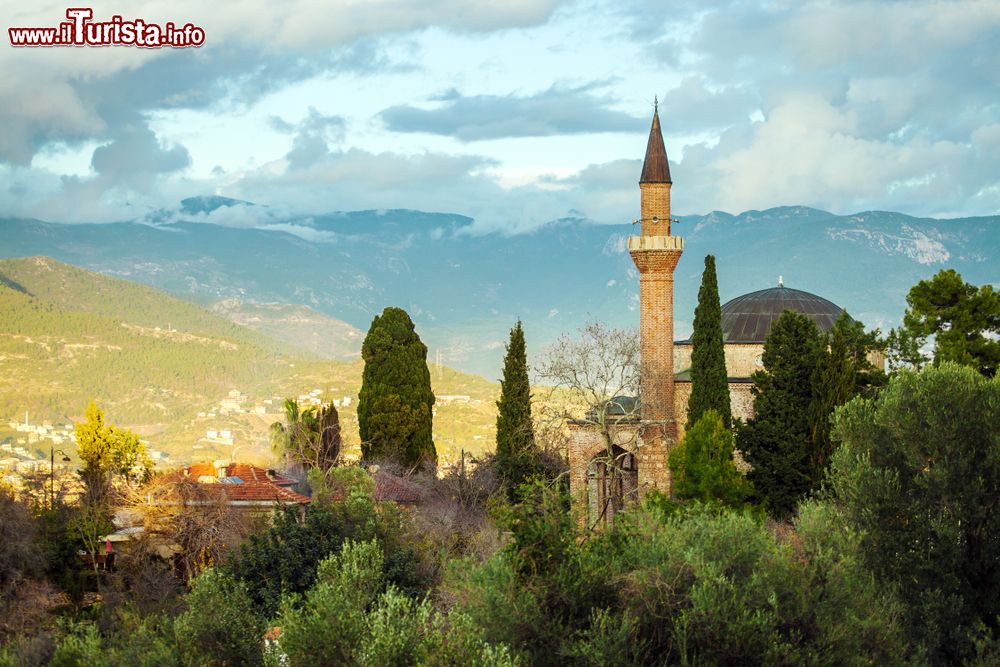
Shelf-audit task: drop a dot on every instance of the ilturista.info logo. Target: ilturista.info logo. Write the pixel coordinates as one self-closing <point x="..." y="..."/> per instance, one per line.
<point x="82" y="30"/>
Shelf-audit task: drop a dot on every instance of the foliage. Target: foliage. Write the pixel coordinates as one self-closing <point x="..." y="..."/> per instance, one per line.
<point x="842" y="372"/>
<point x="283" y="559"/>
<point x="963" y="319"/>
<point x="106" y="451"/>
<point x="703" y="467"/>
<point x="516" y="452"/>
<point x="394" y="404"/>
<point x="351" y="617"/>
<point x="309" y="437"/>
<point x="703" y="585"/>
<point x="221" y="625"/>
<point x="709" y="378"/>
<point x="916" y="475"/>
<point x="776" y="442"/>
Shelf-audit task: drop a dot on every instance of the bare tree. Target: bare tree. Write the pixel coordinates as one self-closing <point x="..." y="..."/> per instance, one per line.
<point x="194" y="520"/>
<point x="593" y="382"/>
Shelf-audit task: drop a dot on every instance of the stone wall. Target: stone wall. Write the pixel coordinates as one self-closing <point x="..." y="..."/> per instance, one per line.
<point x="742" y="359"/>
<point x="740" y="402"/>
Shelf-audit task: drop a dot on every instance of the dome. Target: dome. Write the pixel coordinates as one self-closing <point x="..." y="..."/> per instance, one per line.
<point x="748" y="318"/>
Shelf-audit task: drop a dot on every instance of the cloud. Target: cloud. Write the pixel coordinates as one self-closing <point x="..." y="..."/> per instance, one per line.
<point x="842" y="106"/>
<point x="252" y="47"/>
<point x="694" y="107"/>
<point x="557" y="110"/>
<point x="135" y="157"/>
<point x="811" y="148"/>
<point x="313" y="136"/>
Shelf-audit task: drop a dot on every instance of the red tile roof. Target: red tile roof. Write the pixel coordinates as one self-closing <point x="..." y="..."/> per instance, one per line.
<point x="244" y="483"/>
<point x="245" y="471"/>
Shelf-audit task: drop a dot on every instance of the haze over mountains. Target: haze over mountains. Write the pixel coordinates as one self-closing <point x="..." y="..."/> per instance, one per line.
<point x="465" y="289"/>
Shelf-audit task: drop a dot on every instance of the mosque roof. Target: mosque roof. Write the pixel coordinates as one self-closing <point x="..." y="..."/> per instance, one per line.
<point x="748" y="318"/>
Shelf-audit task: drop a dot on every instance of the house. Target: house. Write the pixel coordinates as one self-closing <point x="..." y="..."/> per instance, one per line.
<point x="244" y="485"/>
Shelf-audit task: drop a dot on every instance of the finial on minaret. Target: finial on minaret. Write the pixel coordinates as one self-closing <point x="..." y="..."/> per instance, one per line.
<point x="656" y="104"/>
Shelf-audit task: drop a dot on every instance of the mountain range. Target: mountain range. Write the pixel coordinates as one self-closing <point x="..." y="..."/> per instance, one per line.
<point x="303" y="278"/>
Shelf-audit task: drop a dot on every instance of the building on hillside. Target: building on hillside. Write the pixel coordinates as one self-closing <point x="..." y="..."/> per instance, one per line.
<point x="619" y="457"/>
<point x="244" y="486"/>
<point x="622" y="456"/>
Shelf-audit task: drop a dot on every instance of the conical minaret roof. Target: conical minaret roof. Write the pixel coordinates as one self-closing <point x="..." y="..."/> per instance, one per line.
<point x="655" y="168"/>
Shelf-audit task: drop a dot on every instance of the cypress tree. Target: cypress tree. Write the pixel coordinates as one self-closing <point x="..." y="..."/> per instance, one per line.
<point x="777" y="442"/>
<point x="834" y="382"/>
<point x="709" y="378"/>
<point x="842" y="372"/>
<point x="515" y="438"/>
<point x="394" y="405"/>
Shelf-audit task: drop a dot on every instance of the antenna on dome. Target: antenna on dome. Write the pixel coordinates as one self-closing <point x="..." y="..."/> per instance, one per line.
<point x="781" y="281"/>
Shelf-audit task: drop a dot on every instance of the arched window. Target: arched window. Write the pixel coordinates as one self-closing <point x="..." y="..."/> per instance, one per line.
<point x="612" y="482"/>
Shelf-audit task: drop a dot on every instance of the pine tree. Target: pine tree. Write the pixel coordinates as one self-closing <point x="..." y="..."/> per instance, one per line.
<point x="709" y="378"/>
<point x="964" y="320"/>
<point x="703" y="467"/>
<point x="516" y="453"/>
<point x="776" y="442"/>
<point x="395" y="401"/>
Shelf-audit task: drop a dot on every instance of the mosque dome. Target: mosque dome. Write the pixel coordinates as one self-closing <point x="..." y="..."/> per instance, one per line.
<point x="748" y="318"/>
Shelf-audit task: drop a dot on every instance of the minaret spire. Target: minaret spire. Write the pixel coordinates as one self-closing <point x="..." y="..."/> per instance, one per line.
<point x="655" y="168"/>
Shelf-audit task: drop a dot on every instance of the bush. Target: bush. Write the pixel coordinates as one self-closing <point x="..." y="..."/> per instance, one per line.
<point x="220" y="625"/>
<point x="701" y="585"/>
<point x="283" y="559"/>
<point x="703" y="467"/>
<point x="350" y="617"/>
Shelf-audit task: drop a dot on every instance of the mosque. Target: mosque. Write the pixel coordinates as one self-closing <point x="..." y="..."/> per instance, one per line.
<point x="621" y="457"/>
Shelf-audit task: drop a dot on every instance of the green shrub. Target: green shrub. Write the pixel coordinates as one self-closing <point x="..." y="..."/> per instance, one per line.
<point x="220" y="625"/>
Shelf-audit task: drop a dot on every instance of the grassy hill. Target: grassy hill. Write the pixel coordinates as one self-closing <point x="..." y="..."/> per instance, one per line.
<point x="165" y="367"/>
<point x="68" y="335"/>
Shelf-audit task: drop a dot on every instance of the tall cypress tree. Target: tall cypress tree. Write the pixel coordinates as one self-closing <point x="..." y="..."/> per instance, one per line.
<point x="842" y="372"/>
<point x="777" y="442"/>
<point x="516" y="451"/>
<point x="709" y="379"/>
<point x="394" y="405"/>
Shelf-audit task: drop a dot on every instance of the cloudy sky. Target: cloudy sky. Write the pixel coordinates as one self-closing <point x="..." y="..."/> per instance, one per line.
<point x="513" y="112"/>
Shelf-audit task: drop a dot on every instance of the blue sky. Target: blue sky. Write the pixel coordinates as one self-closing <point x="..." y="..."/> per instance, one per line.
<point x="514" y="113"/>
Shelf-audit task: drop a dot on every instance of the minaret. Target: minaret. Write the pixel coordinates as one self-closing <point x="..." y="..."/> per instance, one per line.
<point x="656" y="253"/>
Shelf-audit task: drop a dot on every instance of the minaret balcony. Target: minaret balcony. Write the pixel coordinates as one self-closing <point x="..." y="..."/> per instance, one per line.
<point x="655" y="243"/>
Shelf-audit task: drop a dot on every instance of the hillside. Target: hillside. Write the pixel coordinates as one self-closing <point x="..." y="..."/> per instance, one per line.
<point x="68" y="335"/>
<point x="296" y="325"/>
<point x="175" y="372"/>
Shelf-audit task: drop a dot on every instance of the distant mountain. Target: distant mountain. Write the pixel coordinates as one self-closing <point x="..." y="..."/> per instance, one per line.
<point x="465" y="290"/>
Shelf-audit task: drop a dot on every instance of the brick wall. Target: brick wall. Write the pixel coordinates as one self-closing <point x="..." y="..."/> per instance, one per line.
<point x="740" y="402"/>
